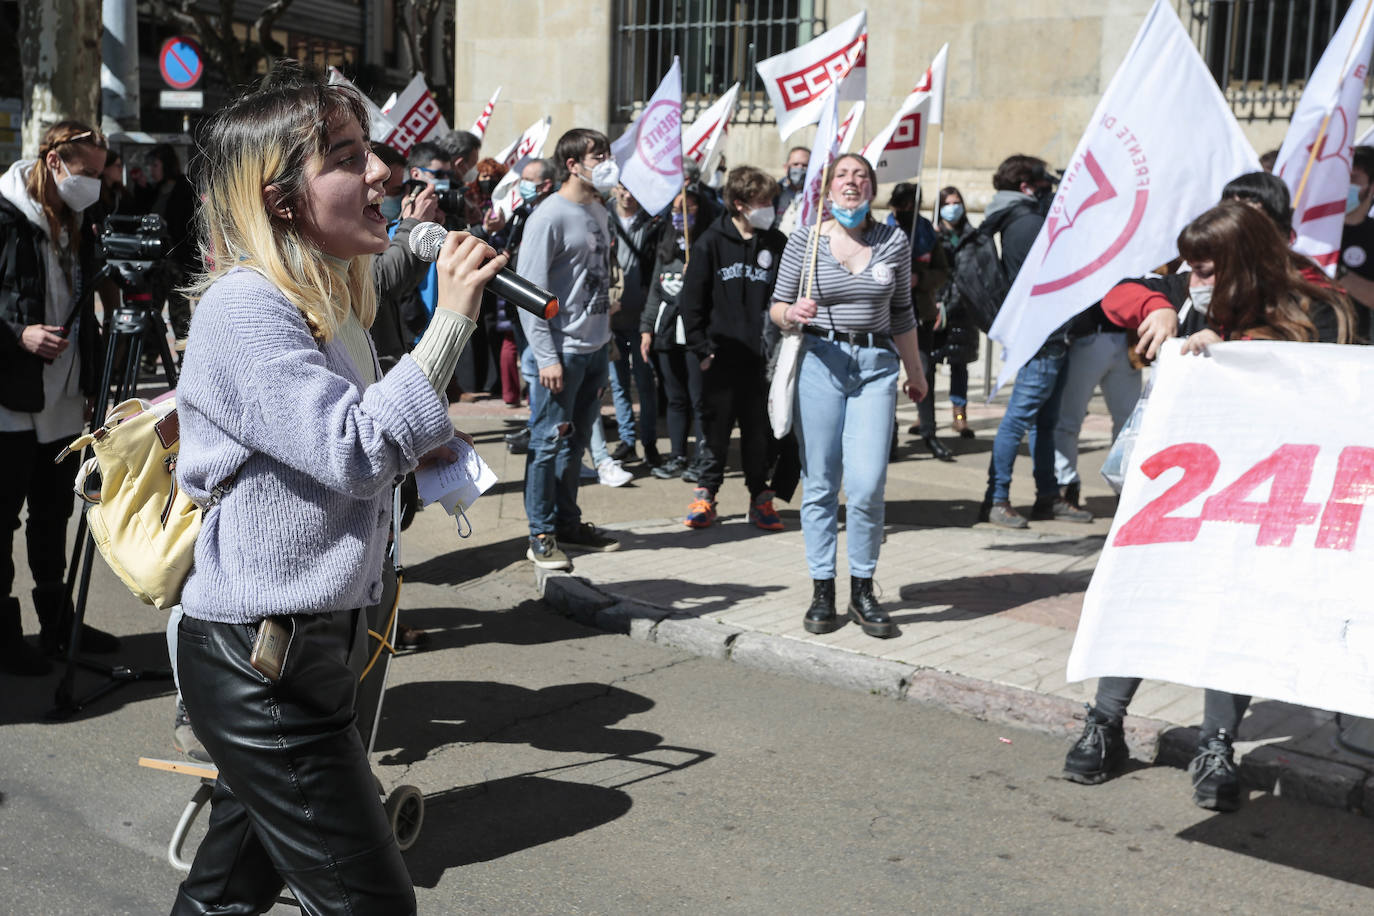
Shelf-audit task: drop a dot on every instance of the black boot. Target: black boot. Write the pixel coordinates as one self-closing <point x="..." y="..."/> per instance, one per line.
<point x="17" y="656"/>
<point x="1216" y="781"/>
<point x="937" y="448"/>
<point x="865" y="610"/>
<point x="55" y="617"/>
<point x="1099" y="752"/>
<point x="820" y="617"/>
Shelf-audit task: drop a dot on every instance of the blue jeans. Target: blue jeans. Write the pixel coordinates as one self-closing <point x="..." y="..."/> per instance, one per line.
<point x="1034" y="407"/>
<point x="529" y="371"/>
<point x="557" y="439"/>
<point x="631" y="362"/>
<point x="846" y="399"/>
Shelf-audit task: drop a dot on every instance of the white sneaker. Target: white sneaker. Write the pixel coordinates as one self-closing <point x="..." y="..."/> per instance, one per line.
<point x="611" y="474"/>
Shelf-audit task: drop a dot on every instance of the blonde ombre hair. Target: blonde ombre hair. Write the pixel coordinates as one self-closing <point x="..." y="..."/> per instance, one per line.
<point x="271" y="136"/>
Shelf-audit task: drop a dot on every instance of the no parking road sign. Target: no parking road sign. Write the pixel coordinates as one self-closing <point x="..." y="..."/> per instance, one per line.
<point x="181" y="62"/>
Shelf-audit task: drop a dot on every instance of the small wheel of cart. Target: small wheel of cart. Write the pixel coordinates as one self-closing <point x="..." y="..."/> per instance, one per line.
<point x="405" y="811"/>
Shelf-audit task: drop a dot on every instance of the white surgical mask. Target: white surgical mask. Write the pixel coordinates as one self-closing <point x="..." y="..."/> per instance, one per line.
<point x="760" y="217"/>
<point x="796" y="174"/>
<point x="78" y="191"/>
<point x="1202" y="297"/>
<point x="604" y="176"/>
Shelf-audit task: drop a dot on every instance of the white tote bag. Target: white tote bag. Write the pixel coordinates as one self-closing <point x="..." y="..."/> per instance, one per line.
<point x="782" y="391"/>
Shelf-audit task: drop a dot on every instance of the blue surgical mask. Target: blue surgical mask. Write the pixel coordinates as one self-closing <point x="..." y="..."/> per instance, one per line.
<point x="952" y="213"/>
<point x="528" y="190"/>
<point x="679" y="223"/>
<point x="391" y="208"/>
<point x="1352" y="198"/>
<point x="848" y="218"/>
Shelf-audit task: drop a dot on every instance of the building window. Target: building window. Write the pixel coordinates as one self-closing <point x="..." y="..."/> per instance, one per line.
<point x="719" y="42"/>
<point x="1262" y="51"/>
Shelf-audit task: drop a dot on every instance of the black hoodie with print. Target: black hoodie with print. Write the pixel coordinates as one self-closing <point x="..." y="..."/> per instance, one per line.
<point x="728" y="287"/>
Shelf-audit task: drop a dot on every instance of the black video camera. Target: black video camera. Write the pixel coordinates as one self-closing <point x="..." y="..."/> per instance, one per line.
<point x="133" y="238"/>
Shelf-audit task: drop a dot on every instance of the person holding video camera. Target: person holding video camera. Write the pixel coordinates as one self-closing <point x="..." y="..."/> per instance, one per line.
<point x="49" y="364"/>
<point x="291" y="441"/>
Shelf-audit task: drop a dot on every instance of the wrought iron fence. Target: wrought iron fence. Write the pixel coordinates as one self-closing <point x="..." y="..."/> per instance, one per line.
<point x="719" y="42"/>
<point x="1263" y="51"/>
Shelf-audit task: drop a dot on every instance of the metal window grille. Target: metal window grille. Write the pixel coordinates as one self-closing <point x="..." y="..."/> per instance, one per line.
<point x="1262" y="51"/>
<point x="719" y="42"/>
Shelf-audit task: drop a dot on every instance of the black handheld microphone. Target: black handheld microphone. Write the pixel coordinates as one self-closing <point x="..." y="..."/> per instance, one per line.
<point x="427" y="239"/>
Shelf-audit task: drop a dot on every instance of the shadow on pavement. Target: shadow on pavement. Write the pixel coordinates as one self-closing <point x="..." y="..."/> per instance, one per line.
<point x="1335" y="844"/>
<point x="526" y="624"/>
<point x="933" y="513"/>
<point x="504" y="816"/>
<point x="463" y="563"/>
<point x="687" y="598"/>
<point x="977" y="595"/>
<point x="28" y="699"/>
<point x="1080" y="547"/>
<point x="420" y="717"/>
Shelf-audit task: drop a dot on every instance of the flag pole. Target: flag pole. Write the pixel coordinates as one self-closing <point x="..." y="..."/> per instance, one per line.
<point x="686" y="232"/>
<point x="939" y="166"/>
<point x="1326" y="121"/>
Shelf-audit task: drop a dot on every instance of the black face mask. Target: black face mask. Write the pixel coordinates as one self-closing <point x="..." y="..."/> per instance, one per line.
<point x="486" y="185"/>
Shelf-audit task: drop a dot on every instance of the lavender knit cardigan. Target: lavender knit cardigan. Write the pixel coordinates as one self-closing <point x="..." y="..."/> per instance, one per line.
<point x="304" y="527"/>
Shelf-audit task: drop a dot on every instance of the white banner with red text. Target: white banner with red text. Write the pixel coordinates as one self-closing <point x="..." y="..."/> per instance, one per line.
<point x="528" y="147"/>
<point x="479" y="127"/>
<point x="797" y="80"/>
<point x="1240" y="555"/>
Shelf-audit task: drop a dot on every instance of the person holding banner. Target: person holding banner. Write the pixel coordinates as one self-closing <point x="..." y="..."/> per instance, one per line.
<point x="847" y="285"/>
<point x="1243" y="284"/>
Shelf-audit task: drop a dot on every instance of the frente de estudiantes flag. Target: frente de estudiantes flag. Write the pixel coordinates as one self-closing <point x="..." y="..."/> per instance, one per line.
<point x="797" y="80"/>
<point x="1317" y="151"/>
<point x="650" y="151"/>
<point x="1133" y="183"/>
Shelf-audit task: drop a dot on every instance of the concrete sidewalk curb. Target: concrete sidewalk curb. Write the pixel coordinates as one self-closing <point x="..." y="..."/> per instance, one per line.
<point x="1279" y="771"/>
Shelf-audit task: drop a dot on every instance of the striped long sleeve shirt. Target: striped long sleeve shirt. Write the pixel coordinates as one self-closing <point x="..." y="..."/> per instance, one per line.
<point x="877" y="298"/>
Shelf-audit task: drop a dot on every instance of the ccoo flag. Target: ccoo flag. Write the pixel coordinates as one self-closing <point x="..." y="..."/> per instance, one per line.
<point x="1135" y="180"/>
<point x="829" y="134"/>
<point x="526" y="148"/>
<point x="415" y="115"/>
<point x="379" y="127"/>
<point x="479" y="127"/>
<point x="797" y="80"/>
<point x="897" y="152"/>
<point x="702" y="141"/>
<point x="1315" y="158"/>
<point x="650" y="152"/>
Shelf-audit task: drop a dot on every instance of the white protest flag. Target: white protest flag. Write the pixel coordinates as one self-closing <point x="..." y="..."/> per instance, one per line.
<point x="1314" y="160"/>
<point x="650" y="152"/>
<point x="526" y="148"/>
<point x="702" y="141"/>
<point x="1133" y="183"/>
<point x="380" y="126"/>
<point x="797" y="80"/>
<point x="849" y="127"/>
<point x="933" y="83"/>
<point x="479" y="127"/>
<point x="823" y="152"/>
<point x="1239" y="555"/>
<point x="415" y="115"/>
<point x="899" y="148"/>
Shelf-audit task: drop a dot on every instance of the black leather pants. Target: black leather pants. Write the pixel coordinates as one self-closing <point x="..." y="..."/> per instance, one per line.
<point x="296" y="801"/>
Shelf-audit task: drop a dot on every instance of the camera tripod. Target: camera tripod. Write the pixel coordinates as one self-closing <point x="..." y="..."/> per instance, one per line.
<point x="130" y="322"/>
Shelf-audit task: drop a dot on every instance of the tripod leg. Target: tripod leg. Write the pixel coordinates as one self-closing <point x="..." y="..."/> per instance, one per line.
<point x="65" y="703"/>
<point x="169" y="366"/>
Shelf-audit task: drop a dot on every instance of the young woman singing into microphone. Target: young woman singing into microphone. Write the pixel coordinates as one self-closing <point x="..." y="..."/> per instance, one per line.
<point x="292" y="440"/>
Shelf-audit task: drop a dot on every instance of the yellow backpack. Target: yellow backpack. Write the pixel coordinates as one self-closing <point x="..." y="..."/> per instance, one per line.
<point x="143" y="524"/>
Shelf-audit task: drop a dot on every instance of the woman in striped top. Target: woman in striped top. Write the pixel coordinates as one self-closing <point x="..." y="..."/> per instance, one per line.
<point x="859" y="324"/>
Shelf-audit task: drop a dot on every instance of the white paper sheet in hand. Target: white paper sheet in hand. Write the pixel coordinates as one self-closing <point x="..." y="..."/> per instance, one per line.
<point x="457" y="484"/>
<point x="1240" y="553"/>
